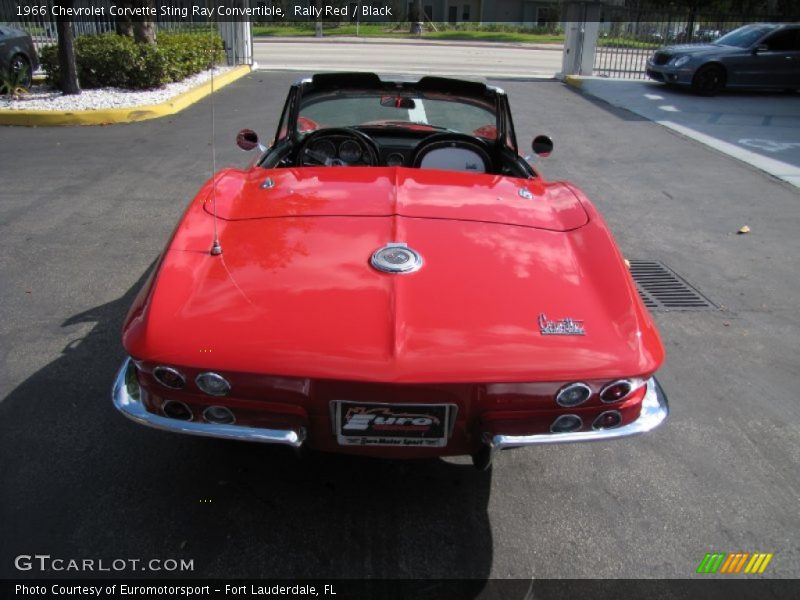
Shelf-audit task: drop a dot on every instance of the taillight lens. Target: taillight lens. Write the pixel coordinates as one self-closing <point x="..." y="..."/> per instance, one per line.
<point x="177" y="410"/>
<point x="213" y="384"/>
<point x="607" y="420"/>
<point x="566" y="423"/>
<point x="616" y="391"/>
<point x="573" y="394"/>
<point x="219" y="414"/>
<point x="169" y="377"/>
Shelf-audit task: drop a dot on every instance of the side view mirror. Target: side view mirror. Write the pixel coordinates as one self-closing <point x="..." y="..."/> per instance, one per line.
<point x="760" y="48"/>
<point x="247" y="139"/>
<point x="542" y="145"/>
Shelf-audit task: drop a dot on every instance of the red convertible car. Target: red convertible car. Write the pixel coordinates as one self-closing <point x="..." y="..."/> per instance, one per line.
<point x="391" y="278"/>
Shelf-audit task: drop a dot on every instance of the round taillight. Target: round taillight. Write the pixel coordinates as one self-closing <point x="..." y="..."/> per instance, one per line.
<point x="573" y="394"/>
<point x="213" y="384"/>
<point x="219" y="414"/>
<point x="177" y="410"/>
<point x="607" y="420"/>
<point x="566" y="423"/>
<point x="169" y="377"/>
<point x="616" y="391"/>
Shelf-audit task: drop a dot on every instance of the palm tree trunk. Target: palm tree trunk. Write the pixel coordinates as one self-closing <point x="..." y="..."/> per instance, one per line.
<point x="66" y="53"/>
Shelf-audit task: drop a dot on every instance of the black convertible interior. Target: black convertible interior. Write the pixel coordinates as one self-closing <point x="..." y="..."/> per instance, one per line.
<point x="356" y="147"/>
<point x="364" y="146"/>
<point x="415" y="139"/>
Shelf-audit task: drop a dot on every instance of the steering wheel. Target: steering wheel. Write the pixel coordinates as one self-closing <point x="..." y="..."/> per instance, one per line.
<point x="471" y="144"/>
<point x="324" y="147"/>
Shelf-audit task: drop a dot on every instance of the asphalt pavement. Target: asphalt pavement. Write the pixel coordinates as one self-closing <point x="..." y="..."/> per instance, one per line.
<point x="84" y="212"/>
<point x="757" y="127"/>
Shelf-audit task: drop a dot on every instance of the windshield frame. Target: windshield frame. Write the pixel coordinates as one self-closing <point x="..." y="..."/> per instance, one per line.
<point x="462" y="90"/>
<point x="491" y="109"/>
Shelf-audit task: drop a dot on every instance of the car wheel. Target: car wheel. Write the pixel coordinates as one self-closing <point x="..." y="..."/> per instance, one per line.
<point x="17" y="64"/>
<point x="709" y="80"/>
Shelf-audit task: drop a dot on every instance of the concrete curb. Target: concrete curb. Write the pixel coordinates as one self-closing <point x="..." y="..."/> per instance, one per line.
<point x="53" y="118"/>
<point x="574" y="81"/>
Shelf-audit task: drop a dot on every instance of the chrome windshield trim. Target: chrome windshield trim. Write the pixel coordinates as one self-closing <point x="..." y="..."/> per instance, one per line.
<point x="655" y="409"/>
<point x="134" y="409"/>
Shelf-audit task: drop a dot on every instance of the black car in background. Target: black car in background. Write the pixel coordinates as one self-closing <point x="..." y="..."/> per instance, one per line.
<point x="17" y="54"/>
<point x="754" y="56"/>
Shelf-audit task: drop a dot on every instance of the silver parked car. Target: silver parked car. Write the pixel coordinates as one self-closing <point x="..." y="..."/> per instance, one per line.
<point x="754" y="56"/>
<point x="17" y="54"/>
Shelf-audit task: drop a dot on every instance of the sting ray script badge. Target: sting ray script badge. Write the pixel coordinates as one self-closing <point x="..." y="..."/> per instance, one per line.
<point x="565" y="326"/>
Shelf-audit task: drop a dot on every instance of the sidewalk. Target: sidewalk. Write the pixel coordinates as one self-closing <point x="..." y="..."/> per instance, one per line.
<point x="407" y="57"/>
<point x="346" y="39"/>
<point x="759" y="128"/>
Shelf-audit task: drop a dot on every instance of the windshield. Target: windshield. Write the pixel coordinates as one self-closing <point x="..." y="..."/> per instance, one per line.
<point x="744" y="37"/>
<point x="385" y="109"/>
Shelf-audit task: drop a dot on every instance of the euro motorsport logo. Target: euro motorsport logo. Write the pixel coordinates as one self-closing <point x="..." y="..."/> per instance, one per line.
<point x="735" y="563"/>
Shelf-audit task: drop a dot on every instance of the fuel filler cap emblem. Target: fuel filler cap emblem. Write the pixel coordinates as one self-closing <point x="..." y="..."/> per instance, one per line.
<point x="396" y="258"/>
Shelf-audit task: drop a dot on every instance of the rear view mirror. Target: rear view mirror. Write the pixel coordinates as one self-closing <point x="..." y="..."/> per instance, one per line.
<point x="542" y="145"/>
<point x="247" y="139"/>
<point x="760" y="48"/>
<point x="398" y="102"/>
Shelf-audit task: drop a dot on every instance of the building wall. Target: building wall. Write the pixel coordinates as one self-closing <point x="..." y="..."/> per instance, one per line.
<point x="458" y="11"/>
<point x="503" y="10"/>
<point x="464" y="10"/>
<point x="526" y="12"/>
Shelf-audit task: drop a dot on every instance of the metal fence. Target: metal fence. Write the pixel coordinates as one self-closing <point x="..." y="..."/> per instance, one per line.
<point x="623" y="47"/>
<point x="42" y="28"/>
<point x="628" y="36"/>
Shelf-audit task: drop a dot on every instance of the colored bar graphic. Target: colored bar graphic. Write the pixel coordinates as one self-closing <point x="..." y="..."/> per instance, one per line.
<point x="732" y="558"/>
<point x="741" y="562"/>
<point x="765" y="563"/>
<point x="733" y="563"/>
<point x="711" y="562"/>
<point x="703" y="564"/>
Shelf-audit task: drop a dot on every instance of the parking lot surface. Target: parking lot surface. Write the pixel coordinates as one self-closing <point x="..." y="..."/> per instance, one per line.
<point x="756" y="127"/>
<point x="84" y="212"/>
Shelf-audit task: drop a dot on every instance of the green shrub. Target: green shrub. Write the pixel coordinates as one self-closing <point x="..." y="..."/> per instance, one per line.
<point x="111" y="60"/>
<point x="14" y="84"/>
<point x="190" y="53"/>
<point x="48" y="58"/>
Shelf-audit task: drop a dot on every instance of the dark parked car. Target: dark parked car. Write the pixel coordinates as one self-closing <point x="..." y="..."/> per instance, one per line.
<point x="17" y="54"/>
<point x="753" y="56"/>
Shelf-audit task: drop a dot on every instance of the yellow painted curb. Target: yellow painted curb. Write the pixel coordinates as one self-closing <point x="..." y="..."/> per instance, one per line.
<point x="573" y="81"/>
<point x="50" y="118"/>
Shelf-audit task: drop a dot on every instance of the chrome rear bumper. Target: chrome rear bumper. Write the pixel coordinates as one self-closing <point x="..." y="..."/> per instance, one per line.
<point x="655" y="409"/>
<point x="126" y="397"/>
<point x="127" y="400"/>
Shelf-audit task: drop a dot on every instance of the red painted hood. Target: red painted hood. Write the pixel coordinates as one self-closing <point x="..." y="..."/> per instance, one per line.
<point x="294" y="294"/>
<point x="373" y="192"/>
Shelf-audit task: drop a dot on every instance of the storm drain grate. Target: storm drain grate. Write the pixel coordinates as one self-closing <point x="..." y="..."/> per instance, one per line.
<point x="662" y="289"/>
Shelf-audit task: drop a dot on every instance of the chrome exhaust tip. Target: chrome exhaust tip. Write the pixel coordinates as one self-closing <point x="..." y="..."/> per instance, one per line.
<point x="482" y="459"/>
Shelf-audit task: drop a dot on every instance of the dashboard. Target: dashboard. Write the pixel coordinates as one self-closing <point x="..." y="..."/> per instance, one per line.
<point x="342" y="150"/>
<point x="443" y="150"/>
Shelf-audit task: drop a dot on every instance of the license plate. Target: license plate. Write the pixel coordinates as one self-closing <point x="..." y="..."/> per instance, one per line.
<point x="405" y="425"/>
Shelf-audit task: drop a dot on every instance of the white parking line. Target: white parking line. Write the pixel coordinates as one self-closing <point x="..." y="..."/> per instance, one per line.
<point x="777" y="168"/>
<point x="730" y="125"/>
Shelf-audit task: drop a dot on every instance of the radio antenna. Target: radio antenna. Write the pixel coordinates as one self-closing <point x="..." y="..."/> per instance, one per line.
<point x="216" y="248"/>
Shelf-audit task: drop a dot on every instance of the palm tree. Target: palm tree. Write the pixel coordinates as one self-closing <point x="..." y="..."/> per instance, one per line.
<point x="66" y="53"/>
